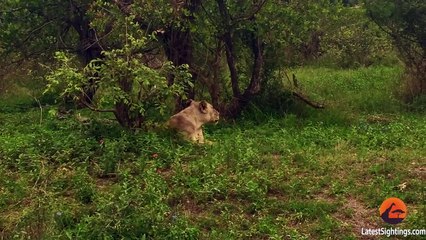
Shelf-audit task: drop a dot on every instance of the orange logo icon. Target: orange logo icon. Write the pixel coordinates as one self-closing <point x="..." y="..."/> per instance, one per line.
<point x="393" y="210"/>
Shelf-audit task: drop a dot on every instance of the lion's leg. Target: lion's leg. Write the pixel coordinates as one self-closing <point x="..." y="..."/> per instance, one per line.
<point x="201" y="138"/>
<point x="197" y="136"/>
<point x="193" y="137"/>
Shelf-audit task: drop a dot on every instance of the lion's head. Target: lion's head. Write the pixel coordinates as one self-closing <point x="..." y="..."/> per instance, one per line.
<point x="206" y="110"/>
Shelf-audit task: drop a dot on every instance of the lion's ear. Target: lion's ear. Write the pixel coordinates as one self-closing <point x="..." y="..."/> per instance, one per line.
<point x="189" y="102"/>
<point x="203" y="106"/>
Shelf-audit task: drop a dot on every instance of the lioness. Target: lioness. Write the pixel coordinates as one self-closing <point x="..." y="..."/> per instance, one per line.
<point x="190" y="120"/>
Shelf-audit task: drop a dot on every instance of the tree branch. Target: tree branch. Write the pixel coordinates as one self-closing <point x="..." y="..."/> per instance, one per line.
<point x="96" y="109"/>
<point x="33" y="31"/>
<point x="390" y="32"/>
<point x="250" y="15"/>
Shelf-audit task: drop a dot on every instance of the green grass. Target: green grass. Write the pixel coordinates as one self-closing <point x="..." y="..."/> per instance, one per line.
<point x="318" y="175"/>
<point x="370" y="90"/>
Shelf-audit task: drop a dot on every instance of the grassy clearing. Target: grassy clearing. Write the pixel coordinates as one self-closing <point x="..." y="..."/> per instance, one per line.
<point x="318" y="175"/>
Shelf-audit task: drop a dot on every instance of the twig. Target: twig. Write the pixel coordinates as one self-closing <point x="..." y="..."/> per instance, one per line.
<point x="288" y="78"/>
<point x="33" y="31"/>
<point x="39" y="105"/>
<point x="98" y="41"/>
<point x="41" y="109"/>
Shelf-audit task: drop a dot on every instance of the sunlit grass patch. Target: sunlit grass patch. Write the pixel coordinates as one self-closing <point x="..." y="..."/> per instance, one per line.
<point x="365" y="89"/>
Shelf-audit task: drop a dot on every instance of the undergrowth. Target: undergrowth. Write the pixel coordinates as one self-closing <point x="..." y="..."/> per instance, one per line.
<point x="312" y="174"/>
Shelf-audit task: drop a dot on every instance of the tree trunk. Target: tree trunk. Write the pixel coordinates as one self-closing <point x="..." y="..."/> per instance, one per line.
<point x="89" y="47"/>
<point x="257" y="50"/>
<point x="239" y="101"/>
<point x="214" y="88"/>
<point x="91" y="50"/>
<point x="123" y="113"/>
<point x="230" y="58"/>
<point x="179" y="47"/>
<point x="229" y="48"/>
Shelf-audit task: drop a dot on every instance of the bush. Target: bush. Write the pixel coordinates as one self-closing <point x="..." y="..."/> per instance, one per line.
<point x="122" y="82"/>
<point x="354" y="41"/>
<point x="404" y="21"/>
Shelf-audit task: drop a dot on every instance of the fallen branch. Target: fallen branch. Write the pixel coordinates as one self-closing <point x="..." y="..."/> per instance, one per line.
<point x="308" y="101"/>
<point x="300" y="95"/>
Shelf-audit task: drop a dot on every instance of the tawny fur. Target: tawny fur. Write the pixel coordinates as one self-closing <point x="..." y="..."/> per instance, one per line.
<point x="189" y="121"/>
